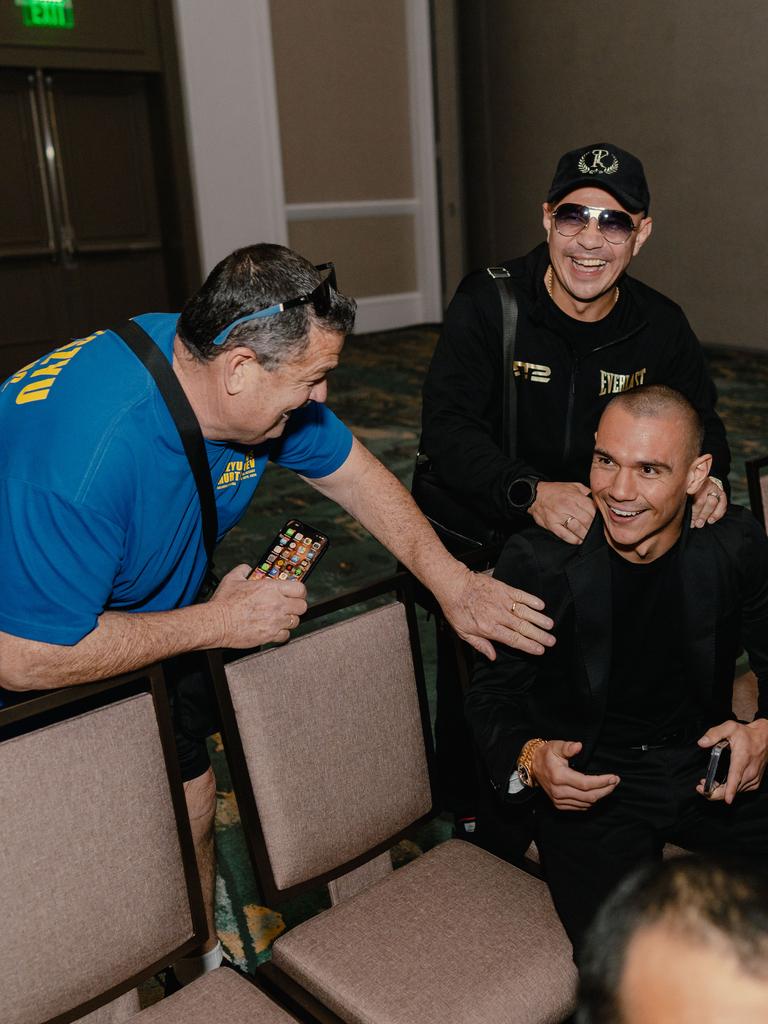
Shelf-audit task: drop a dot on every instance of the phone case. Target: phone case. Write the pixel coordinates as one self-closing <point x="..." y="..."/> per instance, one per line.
<point x="293" y="553"/>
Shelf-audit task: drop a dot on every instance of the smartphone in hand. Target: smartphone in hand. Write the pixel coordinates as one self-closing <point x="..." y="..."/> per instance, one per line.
<point x="293" y="553"/>
<point x="717" y="769"/>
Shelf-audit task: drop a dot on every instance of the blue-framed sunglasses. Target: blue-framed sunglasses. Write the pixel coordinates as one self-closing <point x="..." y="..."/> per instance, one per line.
<point x="319" y="298"/>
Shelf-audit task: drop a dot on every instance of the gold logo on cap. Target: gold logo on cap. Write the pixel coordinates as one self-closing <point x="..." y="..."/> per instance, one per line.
<point x="597" y="164"/>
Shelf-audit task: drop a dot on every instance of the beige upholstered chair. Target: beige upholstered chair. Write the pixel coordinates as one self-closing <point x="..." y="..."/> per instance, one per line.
<point x="325" y="737"/>
<point x="98" y="882"/>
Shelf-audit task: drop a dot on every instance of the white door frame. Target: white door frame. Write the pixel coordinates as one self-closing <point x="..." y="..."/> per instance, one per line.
<point x="228" y="81"/>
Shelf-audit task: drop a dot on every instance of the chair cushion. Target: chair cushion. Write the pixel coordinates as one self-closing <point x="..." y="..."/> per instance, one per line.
<point x="221" y="995"/>
<point x="457" y="935"/>
<point x="89" y="850"/>
<point x="332" y="738"/>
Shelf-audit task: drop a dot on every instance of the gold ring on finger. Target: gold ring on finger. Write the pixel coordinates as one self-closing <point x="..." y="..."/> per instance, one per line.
<point x="567" y="520"/>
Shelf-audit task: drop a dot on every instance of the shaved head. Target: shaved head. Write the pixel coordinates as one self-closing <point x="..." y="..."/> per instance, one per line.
<point x="658" y="401"/>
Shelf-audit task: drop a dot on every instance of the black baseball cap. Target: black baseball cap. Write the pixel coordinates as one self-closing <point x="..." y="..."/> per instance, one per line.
<point x="605" y="166"/>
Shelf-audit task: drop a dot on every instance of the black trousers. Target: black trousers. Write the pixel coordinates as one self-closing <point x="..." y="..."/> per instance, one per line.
<point x="586" y="853"/>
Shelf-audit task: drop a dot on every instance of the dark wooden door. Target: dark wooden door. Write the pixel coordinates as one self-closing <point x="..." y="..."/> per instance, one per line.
<point x="81" y="244"/>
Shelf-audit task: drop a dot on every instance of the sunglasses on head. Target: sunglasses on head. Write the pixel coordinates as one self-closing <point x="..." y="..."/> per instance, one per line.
<point x="615" y="226"/>
<point x="319" y="298"/>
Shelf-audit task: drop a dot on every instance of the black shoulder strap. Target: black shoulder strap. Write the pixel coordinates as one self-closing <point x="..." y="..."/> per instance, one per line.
<point x="509" y="336"/>
<point x="145" y="349"/>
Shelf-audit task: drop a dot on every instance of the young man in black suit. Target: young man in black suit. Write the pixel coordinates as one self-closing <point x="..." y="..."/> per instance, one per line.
<point x="610" y="731"/>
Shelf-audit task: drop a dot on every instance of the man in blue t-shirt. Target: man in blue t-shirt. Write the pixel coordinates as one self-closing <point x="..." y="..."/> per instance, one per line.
<point x="100" y="526"/>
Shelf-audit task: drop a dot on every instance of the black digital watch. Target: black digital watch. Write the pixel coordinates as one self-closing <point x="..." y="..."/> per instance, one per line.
<point x="521" y="493"/>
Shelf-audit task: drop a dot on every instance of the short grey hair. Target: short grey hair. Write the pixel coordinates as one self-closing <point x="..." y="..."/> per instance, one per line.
<point x="252" y="278"/>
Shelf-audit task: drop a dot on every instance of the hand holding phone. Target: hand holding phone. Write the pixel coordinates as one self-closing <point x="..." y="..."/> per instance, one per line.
<point x="293" y="553"/>
<point x="717" y="769"/>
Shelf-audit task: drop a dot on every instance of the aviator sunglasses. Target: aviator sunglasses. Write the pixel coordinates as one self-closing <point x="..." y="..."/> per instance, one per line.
<point x="615" y="226"/>
<point x="319" y="298"/>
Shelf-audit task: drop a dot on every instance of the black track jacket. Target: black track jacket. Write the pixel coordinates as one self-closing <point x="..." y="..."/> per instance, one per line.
<point x="562" y="693"/>
<point x="561" y="394"/>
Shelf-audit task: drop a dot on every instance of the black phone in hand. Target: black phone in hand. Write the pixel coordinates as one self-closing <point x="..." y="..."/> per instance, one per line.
<point x="293" y="553"/>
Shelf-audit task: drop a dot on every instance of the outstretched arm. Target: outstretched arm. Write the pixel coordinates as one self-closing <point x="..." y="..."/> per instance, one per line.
<point x="242" y="613"/>
<point x="480" y="609"/>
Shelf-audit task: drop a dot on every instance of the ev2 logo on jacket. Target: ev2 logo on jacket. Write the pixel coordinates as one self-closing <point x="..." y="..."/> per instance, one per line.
<point x="597" y="165"/>
<point x="534" y="372"/>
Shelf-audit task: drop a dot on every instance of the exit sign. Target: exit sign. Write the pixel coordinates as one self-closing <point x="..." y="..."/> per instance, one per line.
<point x="47" y="13"/>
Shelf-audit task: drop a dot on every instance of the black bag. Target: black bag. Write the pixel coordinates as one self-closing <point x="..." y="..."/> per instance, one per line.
<point x="459" y="526"/>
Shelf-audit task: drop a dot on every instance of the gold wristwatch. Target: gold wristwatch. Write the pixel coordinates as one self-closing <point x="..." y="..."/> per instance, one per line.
<point x="525" y="762"/>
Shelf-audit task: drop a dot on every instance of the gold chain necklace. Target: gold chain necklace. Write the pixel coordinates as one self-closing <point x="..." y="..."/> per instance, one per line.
<point x="548" y="282"/>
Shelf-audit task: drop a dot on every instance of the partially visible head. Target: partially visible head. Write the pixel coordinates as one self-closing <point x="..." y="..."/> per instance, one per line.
<point x="647" y="461"/>
<point x="255" y="278"/>
<point x="596" y="190"/>
<point x="681" y="942"/>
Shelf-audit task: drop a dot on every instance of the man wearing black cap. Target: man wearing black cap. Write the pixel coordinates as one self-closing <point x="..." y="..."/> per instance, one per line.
<point x="586" y="331"/>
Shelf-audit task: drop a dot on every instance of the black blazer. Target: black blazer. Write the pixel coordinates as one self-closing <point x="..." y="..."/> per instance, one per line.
<point x="562" y="693"/>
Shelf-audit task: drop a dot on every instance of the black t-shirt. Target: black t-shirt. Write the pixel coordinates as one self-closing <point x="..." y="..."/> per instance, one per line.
<point x="584" y="336"/>
<point x="649" y="696"/>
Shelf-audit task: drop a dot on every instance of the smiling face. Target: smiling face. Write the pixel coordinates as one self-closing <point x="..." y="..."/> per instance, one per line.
<point x="585" y="267"/>
<point x="260" y="401"/>
<point x="643" y="470"/>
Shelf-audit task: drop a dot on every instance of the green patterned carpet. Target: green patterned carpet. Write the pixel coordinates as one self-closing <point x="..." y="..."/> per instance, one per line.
<point x="376" y="390"/>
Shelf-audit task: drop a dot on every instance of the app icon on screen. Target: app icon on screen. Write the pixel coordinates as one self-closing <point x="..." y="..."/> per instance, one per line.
<point x="290" y="531"/>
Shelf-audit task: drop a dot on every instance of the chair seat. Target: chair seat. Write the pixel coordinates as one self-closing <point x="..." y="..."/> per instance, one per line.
<point x="221" y="995"/>
<point x="502" y="953"/>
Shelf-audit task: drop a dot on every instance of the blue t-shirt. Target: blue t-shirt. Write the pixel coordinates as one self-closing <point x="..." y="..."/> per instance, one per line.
<point x="98" y="506"/>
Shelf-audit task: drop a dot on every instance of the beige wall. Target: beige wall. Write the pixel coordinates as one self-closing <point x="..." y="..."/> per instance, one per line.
<point x="373" y="255"/>
<point x="683" y="85"/>
<point x="342" y="94"/>
<point x="342" y="87"/>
